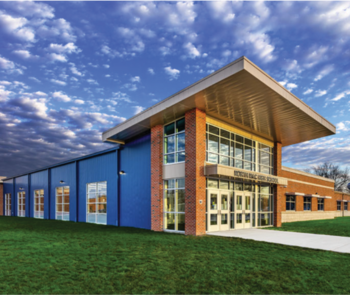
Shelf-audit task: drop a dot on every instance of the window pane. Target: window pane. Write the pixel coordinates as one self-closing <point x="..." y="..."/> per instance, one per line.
<point x="264" y="159"/>
<point x="169" y="144"/>
<point x="91" y="188"/>
<point x="66" y="190"/>
<point x="239" y="151"/>
<point x="224" y="147"/>
<point x="180" y="183"/>
<point x="212" y="183"/>
<point x="247" y="165"/>
<point x="102" y="208"/>
<point x="181" y="200"/>
<point x="224" y="218"/>
<point x="181" y="156"/>
<point x="248" y="153"/>
<point x="213" y="130"/>
<point x="170" y="201"/>
<point x="169" y="129"/>
<point x="180" y="142"/>
<point x="224" y="160"/>
<point x="238" y="186"/>
<point x="264" y="148"/>
<point x="92" y="198"/>
<point x="239" y="138"/>
<point x="213" y="219"/>
<point x="66" y="208"/>
<point x="170" y="159"/>
<point x="91" y="218"/>
<point x="181" y="222"/>
<point x="264" y="219"/>
<point x="248" y="142"/>
<point x="239" y="164"/>
<point x="170" y="183"/>
<point x="213" y="144"/>
<point x="170" y="221"/>
<point x="66" y="199"/>
<point x="91" y="208"/>
<point x="264" y="203"/>
<point x="232" y="149"/>
<point x="238" y="202"/>
<point x="224" y="184"/>
<point x="41" y="208"/>
<point x="213" y="158"/>
<point x="59" y="199"/>
<point x="59" y="207"/>
<point x="58" y="191"/>
<point x="239" y="218"/>
<point x="224" y="202"/>
<point x="213" y="201"/>
<point x="180" y="125"/>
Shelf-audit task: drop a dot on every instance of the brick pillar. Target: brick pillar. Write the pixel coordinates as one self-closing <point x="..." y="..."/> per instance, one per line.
<point x="195" y="182"/>
<point x="278" y="192"/>
<point x="314" y="204"/>
<point x="1" y="199"/>
<point x="157" y="178"/>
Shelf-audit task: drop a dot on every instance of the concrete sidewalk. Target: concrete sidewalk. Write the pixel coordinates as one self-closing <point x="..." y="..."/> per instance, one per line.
<point x="312" y="241"/>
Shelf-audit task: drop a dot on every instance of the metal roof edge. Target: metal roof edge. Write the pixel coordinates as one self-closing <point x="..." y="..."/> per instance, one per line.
<point x="284" y="90"/>
<point x="65" y="162"/>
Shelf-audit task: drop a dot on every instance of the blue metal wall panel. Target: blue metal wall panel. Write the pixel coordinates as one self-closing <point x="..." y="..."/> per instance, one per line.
<point x="9" y="188"/>
<point x="135" y="184"/>
<point x="40" y="180"/>
<point x="100" y="168"/>
<point x="67" y="173"/>
<point x="21" y="182"/>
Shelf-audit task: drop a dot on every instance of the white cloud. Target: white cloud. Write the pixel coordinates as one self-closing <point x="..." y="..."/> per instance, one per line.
<point x="79" y="101"/>
<point x="61" y="96"/>
<point x="341" y="95"/>
<point x="15" y="27"/>
<point x="106" y="66"/>
<point x="192" y="51"/>
<point x="138" y="109"/>
<point x="130" y="86"/>
<point x="57" y="57"/>
<point x="40" y="93"/>
<point x="151" y="71"/>
<point x="324" y="72"/>
<point x="291" y="86"/>
<point x="34" y="79"/>
<point x="62" y="83"/>
<point x="173" y="73"/>
<point x="29" y="8"/>
<point x="121" y="96"/>
<point x="75" y="71"/>
<point x="92" y="81"/>
<point x="308" y="91"/>
<point x="135" y="79"/>
<point x="25" y="54"/>
<point x="6" y="64"/>
<point x="343" y="126"/>
<point x="319" y="93"/>
<point x="64" y="49"/>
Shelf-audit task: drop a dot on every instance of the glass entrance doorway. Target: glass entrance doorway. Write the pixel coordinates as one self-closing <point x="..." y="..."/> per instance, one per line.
<point x="218" y="210"/>
<point x="243" y="211"/>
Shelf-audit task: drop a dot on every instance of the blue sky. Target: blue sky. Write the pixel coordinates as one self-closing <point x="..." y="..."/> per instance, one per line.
<point x="70" y="70"/>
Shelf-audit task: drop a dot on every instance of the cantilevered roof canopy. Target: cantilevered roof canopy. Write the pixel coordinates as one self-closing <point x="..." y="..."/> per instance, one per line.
<point x="240" y="94"/>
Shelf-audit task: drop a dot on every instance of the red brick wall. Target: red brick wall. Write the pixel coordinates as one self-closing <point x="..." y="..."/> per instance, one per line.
<point x="157" y="178"/>
<point x="195" y="181"/>
<point x="278" y="193"/>
<point x="1" y="199"/>
<point x="340" y="196"/>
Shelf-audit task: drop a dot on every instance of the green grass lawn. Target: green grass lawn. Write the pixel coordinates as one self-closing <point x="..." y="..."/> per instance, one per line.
<point x="339" y="226"/>
<point x="47" y="256"/>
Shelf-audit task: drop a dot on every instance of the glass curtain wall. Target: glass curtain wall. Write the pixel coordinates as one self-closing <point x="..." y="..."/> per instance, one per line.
<point x="265" y="205"/>
<point x="230" y="149"/>
<point x="174" y="204"/>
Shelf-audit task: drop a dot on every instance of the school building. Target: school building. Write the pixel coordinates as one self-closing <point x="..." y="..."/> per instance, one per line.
<point x="208" y="158"/>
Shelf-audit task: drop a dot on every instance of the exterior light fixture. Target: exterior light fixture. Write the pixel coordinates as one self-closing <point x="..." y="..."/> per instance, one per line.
<point x="21" y="188"/>
<point x="61" y="181"/>
<point x="121" y="172"/>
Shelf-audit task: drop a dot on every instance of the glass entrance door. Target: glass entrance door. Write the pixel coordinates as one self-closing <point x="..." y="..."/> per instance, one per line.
<point x="243" y="212"/>
<point x="218" y="210"/>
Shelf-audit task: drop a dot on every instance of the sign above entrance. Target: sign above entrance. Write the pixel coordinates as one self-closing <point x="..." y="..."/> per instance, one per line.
<point x="221" y="170"/>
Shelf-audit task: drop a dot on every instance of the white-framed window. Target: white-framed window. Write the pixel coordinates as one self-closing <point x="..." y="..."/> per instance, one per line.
<point x="265" y="159"/>
<point x="174" y="142"/>
<point x="62" y="203"/>
<point x="265" y="204"/>
<point x="339" y="205"/>
<point x="174" y="204"/>
<point x="290" y="203"/>
<point x="8" y="206"/>
<point x="320" y="204"/>
<point x="39" y="203"/>
<point x="96" y="202"/>
<point x="21" y="201"/>
<point x="307" y="203"/>
<point x="345" y="206"/>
